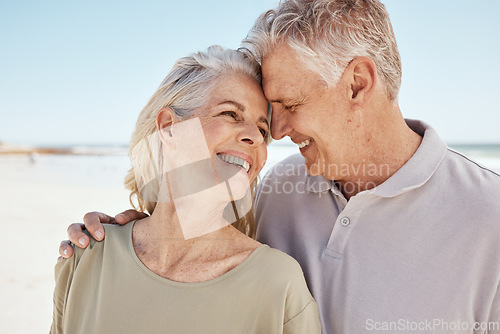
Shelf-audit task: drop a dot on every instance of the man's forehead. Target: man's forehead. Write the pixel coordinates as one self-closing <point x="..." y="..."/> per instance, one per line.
<point x="278" y="89"/>
<point x="286" y="94"/>
<point x="281" y="84"/>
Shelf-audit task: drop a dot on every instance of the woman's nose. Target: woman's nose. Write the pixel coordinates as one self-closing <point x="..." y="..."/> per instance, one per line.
<point x="251" y="135"/>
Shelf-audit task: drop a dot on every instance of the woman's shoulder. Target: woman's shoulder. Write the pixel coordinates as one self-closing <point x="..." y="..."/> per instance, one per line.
<point x="282" y="279"/>
<point x="118" y="233"/>
<point x="278" y="257"/>
<point x="116" y="237"/>
<point x="114" y="244"/>
<point x="278" y="265"/>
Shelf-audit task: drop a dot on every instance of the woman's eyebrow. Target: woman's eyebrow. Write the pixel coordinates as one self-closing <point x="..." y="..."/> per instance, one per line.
<point x="234" y="103"/>
<point x="241" y="107"/>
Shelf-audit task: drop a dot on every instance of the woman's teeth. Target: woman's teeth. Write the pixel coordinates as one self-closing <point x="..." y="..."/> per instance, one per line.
<point x="304" y="143"/>
<point x="232" y="159"/>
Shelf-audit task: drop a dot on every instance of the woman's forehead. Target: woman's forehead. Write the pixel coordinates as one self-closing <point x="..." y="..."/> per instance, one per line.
<point x="239" y="91"/>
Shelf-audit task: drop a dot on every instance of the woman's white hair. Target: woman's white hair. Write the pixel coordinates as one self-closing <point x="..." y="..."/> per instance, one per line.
<point x="328" y="34"/>
<point x="185" y="88"/>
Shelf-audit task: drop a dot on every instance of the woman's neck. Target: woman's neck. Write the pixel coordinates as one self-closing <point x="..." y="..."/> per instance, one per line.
<point x="159" y="243"/>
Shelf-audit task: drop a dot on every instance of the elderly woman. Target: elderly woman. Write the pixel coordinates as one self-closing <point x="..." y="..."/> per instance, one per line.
<point x="198" y="146"/>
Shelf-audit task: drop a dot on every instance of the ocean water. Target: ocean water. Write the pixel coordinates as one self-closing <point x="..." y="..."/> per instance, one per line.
<point x="110" y="169"/>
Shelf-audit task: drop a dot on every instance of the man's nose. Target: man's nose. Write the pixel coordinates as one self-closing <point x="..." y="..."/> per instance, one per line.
<point x="280" y="125"/>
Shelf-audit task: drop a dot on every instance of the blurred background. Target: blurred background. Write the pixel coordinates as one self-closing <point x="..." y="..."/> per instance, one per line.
<point x="74" y="75"/>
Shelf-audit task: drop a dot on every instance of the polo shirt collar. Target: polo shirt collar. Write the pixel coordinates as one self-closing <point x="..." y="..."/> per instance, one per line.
<point x="421" y="166"/>
<point x="417" y="171"/>
<point x="319" y="184"/>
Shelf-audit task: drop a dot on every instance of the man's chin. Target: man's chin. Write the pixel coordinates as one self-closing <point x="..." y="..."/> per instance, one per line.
<point x="319" y="168"/>
<point x="314" y="168"/>
<point x="314" y="164"/>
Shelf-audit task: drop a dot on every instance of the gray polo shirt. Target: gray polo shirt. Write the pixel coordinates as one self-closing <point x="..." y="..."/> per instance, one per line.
<point x="419" y="253"/>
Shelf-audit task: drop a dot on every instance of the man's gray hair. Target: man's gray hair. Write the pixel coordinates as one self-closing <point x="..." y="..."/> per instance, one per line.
<point x="328" y="34"/>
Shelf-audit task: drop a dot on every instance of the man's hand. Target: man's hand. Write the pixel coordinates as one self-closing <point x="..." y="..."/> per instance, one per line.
<point x="93" y="223"/>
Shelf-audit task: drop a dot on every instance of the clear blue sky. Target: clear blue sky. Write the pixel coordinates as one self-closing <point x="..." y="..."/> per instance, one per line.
<point x="80" y="71"/>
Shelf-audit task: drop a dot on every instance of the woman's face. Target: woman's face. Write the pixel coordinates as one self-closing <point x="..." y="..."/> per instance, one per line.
<point x="234" y="122"/>
<point x="214" y="155"/>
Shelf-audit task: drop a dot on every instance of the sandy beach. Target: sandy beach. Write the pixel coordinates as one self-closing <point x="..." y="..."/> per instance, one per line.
<point x="40" y="199"/>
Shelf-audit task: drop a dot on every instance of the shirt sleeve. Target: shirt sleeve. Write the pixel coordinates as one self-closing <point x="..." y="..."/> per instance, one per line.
<point x="301" y="310"/>
<point x="63" y="272"/>
<point x="307" y="321"/>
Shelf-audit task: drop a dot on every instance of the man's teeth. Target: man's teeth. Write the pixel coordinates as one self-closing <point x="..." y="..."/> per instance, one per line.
<point x="232" y="159"/>
<point x="304" y="143"/>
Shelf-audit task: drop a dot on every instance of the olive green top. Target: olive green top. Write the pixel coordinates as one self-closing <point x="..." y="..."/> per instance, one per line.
<point x="107" y="289"/>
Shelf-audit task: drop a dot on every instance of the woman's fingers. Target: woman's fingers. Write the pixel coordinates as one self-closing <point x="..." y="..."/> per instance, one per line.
<point x="93" y="223"/>
<point x="65" y="250"/>
<point x="129" y="215"/>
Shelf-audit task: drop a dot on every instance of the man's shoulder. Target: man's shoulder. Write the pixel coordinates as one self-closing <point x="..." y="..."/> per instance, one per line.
<point x="470" y="174"/>
<point x="475" y="187"/>
<point x="470" y="163"/>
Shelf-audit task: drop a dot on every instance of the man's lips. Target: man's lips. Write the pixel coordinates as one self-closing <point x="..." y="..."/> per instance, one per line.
<point x="303" y="143"/>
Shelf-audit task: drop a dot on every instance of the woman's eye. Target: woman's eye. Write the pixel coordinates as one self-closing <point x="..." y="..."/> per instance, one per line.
<point x="263" y="132"/>
<point x="290" y="108"/>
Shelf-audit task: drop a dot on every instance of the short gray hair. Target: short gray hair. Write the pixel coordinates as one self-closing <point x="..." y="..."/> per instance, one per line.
<point x="328" y="34"/>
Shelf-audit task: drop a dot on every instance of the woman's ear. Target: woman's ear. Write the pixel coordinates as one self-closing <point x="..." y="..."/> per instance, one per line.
<point x="164" y="121"/>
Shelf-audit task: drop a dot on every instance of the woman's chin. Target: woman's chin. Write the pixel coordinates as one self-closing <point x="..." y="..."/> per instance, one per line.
<point x="239" y="185"/>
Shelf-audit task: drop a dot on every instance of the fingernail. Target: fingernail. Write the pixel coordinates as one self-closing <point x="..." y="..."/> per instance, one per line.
<point x="120" y="215"/>
<point x="82" y="241"/>
<point x="65" y="253"/>
<point x="99" y="235"/>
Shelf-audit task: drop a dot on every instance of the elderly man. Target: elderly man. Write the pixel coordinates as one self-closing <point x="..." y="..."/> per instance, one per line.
<point x="394" y="230"/>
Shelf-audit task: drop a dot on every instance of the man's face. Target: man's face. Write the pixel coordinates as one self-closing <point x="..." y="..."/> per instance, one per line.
<point x="314" y="116"/>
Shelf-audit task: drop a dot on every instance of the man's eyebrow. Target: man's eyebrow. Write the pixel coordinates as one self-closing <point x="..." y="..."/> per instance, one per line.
<point x="264" y="120"/>
<point x="288" y="101"/>
<point x="234" y="103"/>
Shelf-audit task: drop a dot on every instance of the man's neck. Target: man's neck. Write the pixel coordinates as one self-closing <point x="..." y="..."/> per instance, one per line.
<point x="390" y="147"/>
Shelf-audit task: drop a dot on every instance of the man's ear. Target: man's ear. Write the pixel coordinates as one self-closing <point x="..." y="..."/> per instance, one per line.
<point x="164" y="121"/>
<point x="363" y="78"/>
